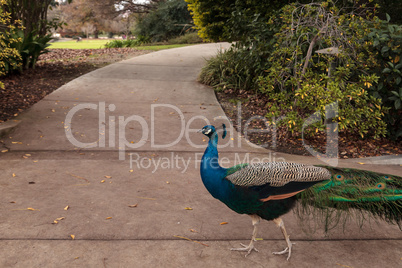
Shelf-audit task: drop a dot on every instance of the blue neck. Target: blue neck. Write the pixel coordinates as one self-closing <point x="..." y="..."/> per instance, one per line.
<point x="212" y="173"/>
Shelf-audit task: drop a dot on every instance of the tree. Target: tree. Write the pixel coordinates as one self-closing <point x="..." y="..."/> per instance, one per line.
<point x="135" y="6"/>
<point x="88" y="29"/>
<point x="81" y="13"/>
<point x="170" y="19"/>
<point x="32" y="14"/>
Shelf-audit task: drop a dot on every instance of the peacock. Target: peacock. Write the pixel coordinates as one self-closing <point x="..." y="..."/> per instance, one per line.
<point x="270" y="190"/>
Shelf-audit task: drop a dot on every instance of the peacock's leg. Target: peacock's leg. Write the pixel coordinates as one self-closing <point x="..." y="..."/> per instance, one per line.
<point x="280" y="224"/>
<point x="255" y="219"/>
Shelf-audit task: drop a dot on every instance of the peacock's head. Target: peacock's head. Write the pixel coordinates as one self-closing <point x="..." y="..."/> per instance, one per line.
<point x="209" y="130"/>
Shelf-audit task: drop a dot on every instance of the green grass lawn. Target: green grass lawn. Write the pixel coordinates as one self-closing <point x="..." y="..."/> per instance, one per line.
<point x="94" y="44"/>
<point x="84" y="44"/>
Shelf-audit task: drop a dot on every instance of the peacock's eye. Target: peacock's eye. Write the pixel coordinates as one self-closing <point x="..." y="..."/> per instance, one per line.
<point x="339" y="177"/>
<point x="387" y="177"/>
<point x="381" y="185"/>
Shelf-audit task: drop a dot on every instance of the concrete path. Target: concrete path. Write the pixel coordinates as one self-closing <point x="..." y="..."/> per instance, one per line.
<point x="113" y="158"/>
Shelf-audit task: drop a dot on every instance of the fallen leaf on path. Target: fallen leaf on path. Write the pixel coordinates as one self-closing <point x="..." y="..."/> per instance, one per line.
<point x="79" y="177"/>
<point x="67" y="207"/>
<point x="187" y="208"/>
<point x="108" y="218"/>
<point x="188" y="239"/>
<point x="147" y="198"/>
<point x="16" y="142"/>
<point x="102" y="181"/>
<point x="346" y="266"/>
<point x="108" y="177"/>
<point x="223" y="223"/>
<point x="56" y="221"/>
<point x="4" y="151"/>
<point x="133" y="206"/>
<point x="14" y="175"/>
<point x="72" y="237"/>
<point x="32" y="209"/>
<point x="193" y="231"/>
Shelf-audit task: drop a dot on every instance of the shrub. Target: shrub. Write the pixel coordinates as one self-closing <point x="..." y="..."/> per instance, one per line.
<point x="386" y="40"/>
<point x="10" y="59"/>
<point x="188" y="38"/>
<point x="127" y="43"/>
<point x="247" y="59"/>
<point x="30" y="47"/>
<point x="232" y="68"/>
<point x="301" y="79"/>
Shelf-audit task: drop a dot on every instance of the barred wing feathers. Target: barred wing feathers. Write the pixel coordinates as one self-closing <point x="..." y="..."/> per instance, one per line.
<point x="279" y="179"/>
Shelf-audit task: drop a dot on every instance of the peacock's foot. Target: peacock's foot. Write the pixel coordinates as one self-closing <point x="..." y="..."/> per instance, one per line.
<point x="248" y="248"/>
<point x="286" y="250"/>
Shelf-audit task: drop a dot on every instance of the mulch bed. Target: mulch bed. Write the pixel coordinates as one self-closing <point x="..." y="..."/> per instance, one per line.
<point x="350" y="145"/>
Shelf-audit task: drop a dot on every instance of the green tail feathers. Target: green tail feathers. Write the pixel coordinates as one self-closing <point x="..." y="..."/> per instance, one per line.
<point x="353" y="190"/>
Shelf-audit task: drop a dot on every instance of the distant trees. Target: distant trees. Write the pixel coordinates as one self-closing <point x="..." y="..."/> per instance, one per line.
<point x="169" y="19"/>
<point x="81" y="14"/>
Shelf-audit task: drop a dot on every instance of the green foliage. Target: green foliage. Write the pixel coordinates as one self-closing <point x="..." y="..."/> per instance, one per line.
<point x="299" y="90"/>
<point x="10" y="59"/>
<point x="247" y="59"/>
<point x="170" y="19"/>
<point x="228" y="69"/>
<point x="30" y="47"/>
<point x="212" y="18"/>
<point x="386" y="40"/>
<point x="128" y="42"/>
<point x="188" y="38"/>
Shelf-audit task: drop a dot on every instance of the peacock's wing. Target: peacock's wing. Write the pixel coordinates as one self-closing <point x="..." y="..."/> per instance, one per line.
<point x="353" y="190"/>
<point x="277" y="180"/>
